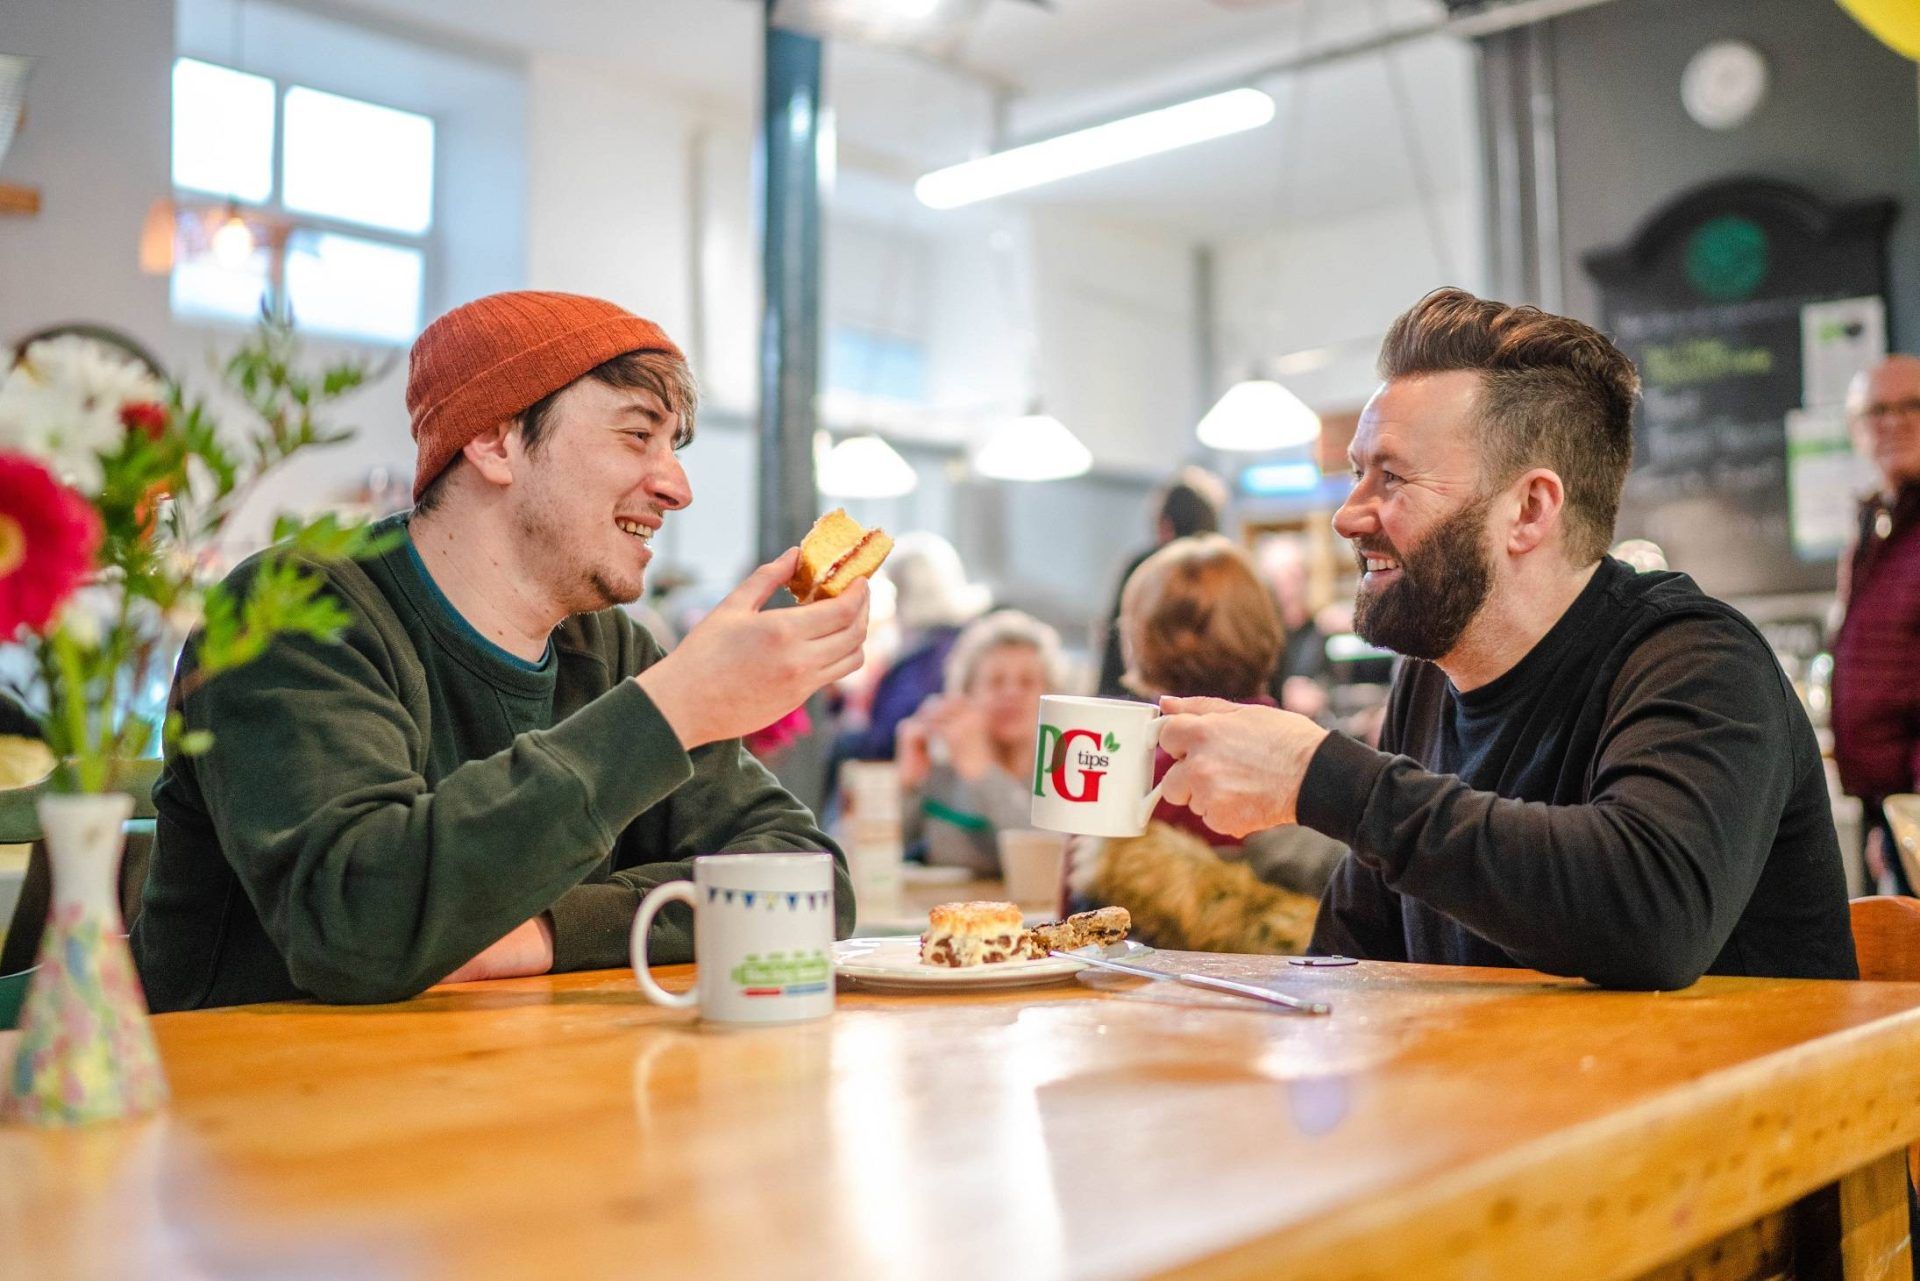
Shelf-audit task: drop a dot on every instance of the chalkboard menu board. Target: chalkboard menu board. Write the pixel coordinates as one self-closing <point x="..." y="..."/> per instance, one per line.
<point x="1744" y="304"/>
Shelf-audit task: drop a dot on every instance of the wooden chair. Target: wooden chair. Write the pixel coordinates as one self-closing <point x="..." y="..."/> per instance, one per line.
<point x="1886" y="941"/>
<point x="1886" y="938"/>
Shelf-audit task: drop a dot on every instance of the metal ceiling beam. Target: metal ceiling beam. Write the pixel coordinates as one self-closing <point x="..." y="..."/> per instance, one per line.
<point x="1482" y="22"/>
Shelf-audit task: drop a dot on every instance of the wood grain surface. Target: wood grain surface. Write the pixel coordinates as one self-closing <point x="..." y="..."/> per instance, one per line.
<point x="1441" y="1123"/>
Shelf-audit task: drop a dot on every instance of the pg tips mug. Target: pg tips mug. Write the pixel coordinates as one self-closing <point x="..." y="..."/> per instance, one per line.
<point x="1093" y="765"/>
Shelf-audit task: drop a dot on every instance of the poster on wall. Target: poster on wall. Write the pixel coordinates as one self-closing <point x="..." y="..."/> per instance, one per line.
<point x="1837" y="340"/>
<point x="1825" y="479"/>
<point x="1742" y="302"/>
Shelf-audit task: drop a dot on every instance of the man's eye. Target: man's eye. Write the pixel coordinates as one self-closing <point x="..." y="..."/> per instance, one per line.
<point x="641" y="434"/>
<point x="1389" y="478"/>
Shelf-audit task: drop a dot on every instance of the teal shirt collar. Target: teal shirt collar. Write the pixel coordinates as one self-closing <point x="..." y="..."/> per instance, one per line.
<point x="467" y="631"/>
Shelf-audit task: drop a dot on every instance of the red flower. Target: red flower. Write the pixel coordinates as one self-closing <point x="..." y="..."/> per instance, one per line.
<point x="144" y="416"/>
<point x="48" y="537"/>
<point x="794" y="725"/>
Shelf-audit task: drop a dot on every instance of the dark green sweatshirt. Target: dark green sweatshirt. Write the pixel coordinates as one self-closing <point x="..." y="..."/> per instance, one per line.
<point x="374" y="813"/>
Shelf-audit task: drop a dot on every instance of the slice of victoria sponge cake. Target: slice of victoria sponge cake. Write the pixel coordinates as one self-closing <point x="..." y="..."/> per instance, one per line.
<point x="837" y="551"/>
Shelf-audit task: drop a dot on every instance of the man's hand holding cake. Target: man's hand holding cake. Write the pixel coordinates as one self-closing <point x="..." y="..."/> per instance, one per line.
<point x="744" y="667"/>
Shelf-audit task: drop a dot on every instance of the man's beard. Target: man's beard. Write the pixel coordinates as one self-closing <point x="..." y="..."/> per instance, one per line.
<point x="578" y="589"/>
<point x="1442" y="584"/>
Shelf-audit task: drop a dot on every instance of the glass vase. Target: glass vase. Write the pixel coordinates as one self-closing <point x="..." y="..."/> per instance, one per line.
<point x="86" y="1050"/>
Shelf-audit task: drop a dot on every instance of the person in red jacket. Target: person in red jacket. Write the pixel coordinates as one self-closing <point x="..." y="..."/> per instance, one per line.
<point x="1876" y="704"/>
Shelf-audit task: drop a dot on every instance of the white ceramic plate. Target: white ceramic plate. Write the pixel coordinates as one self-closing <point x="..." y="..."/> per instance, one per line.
<point x="893" y="965"/>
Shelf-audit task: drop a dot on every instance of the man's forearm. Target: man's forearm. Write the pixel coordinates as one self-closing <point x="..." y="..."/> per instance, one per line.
<point x="527" y="949"/>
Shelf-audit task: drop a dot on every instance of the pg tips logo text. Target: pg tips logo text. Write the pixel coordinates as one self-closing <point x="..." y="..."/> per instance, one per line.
<point x="1074" y="761"/>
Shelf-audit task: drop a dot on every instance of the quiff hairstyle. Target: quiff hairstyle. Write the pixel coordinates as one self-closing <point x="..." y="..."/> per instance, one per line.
<point x="1555" y="393"/>
<point x="1198" y="622"/>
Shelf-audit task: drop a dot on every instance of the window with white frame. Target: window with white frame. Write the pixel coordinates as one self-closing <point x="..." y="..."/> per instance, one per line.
<point x="307" y="202"/>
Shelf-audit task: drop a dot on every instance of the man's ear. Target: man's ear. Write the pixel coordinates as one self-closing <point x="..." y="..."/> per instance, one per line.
<point x="493" y="452"/>
<point x="1542" y="501"/>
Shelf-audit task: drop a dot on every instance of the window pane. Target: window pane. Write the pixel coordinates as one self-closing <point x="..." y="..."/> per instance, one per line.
<point x="874" y="364"/>
<point x="222" y="131"/>
<point x="354" y="161"/>
<point x="208" y="288"/>
<point x="357" y="288"/>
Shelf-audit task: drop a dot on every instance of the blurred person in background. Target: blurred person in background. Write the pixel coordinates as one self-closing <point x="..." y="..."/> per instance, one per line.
<point x="1876" y="705"/>
<point x="933" y="601"/>
<point x="1191" y="503"/>
<point x="1196" y="621"/>
<point x="1299" y="681"/>
<point x="966" y="756"/>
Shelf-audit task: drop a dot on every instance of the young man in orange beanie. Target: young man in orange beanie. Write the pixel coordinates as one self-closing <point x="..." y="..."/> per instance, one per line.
<point x="496" y="763"/>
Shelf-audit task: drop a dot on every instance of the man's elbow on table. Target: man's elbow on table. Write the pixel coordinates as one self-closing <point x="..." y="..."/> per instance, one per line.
<point x="336" y="977"/>
<point x="1662" y="957"/>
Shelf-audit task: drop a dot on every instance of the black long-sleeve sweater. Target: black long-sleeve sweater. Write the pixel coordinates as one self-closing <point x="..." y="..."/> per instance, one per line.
<point x="1638" y="801"/>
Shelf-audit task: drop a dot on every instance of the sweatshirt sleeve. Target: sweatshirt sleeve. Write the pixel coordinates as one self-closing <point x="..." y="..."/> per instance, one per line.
<point x="372" y="885"/>
<point x="730" y="805"/>
<point x="1641" y="886"/>
<point x="1359" y="916"/>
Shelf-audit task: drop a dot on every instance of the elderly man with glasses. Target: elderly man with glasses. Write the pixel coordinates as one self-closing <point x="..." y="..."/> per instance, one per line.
<point x="1876" y="698"/>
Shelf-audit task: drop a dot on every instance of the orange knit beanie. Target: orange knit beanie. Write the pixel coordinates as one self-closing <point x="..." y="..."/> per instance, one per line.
<point x="486" y="361"/>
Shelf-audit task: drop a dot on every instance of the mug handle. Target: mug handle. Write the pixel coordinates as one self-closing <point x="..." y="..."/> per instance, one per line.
<point x="658" y="897"/>
<point x="1152" y="798"/>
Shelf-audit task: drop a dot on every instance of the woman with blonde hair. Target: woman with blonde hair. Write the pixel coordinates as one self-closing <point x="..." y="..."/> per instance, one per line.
<point x="966" y="757"/>
<point x="1196" y="620"/>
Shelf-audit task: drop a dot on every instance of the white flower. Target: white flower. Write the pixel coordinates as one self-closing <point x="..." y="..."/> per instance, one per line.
<point x="61" y="404"/>
<point x="85" y="619"/>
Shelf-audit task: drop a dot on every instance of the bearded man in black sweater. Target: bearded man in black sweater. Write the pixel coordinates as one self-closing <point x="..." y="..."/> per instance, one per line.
<point x="1584" y="770"/>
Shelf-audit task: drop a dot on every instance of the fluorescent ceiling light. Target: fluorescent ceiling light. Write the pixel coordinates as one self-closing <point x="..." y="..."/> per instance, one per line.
<point x="865" y="467"/>
<point x="1147" y="134"/>
<point x="1259" y="415"/>
<point x="1036" y="447"/>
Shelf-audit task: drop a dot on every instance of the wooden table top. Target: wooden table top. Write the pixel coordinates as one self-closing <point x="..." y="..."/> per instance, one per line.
<point x="1442" y="1122"/>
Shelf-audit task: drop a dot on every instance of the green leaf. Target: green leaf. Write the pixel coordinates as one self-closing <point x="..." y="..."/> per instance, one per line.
<point x="1113" y="744"/>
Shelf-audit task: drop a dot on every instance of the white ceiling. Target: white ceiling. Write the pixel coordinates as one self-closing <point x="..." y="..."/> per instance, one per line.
<point x="1050" y="68"/>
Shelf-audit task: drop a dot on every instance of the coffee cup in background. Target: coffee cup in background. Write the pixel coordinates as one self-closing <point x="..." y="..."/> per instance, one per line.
<point x="1030" y="862"/>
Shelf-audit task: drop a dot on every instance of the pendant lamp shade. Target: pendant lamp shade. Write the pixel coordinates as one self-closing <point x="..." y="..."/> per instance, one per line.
<point x="1257" y="416"/>
<point x="1033" y="447"/>
<point x="866" y="467"/>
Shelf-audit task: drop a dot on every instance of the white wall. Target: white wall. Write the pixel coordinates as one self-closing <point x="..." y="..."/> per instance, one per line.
<point x="1117" y="319"/>
<point x="1335" y="286"/>
<point x="96" y="144"/>
<point x="608" y="207"/>
<point x="1377" y="200"/>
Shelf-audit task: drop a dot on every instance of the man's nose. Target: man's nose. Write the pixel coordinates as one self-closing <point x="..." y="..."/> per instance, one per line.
<point x="669" y="487"/>
<point x="1355" y="516"/>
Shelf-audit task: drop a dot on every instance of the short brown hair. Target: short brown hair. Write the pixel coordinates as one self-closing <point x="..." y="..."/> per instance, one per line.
<point x="662" y="373"/>
<point x="1555" y="393"/>
<point x="1198" y="621"/>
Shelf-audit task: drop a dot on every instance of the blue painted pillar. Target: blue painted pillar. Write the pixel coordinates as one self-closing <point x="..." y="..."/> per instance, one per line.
<point x="790" y="276"/>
